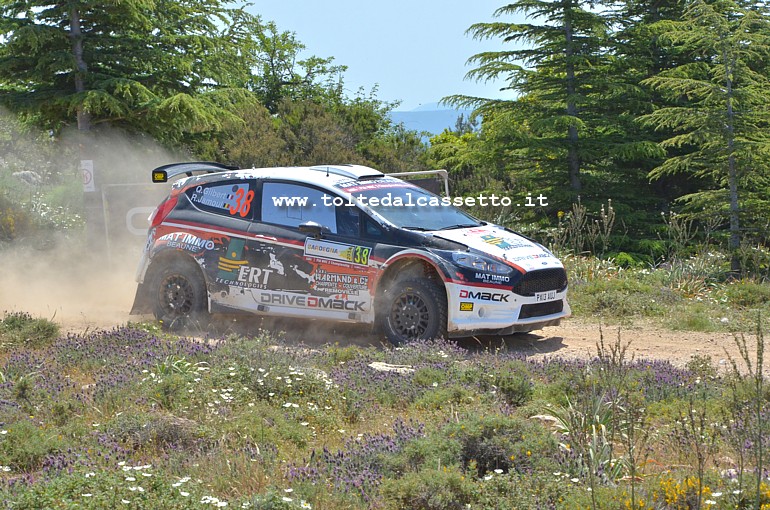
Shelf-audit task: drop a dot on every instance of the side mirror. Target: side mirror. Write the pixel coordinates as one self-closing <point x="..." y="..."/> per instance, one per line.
<point x="313" y="229"/>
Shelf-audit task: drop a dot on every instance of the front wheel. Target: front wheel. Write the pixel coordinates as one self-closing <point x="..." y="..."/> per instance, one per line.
<point x="414" y="310"/>
<point x="179" y="295"/>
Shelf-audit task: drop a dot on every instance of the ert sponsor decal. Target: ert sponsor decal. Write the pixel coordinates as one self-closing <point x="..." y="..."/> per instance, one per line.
<point x="466" y="306"/>
<point x="353" y="254"/>
<point x="251" y="277"/>
<point x="484" y="296"/>
<point x="311" y="302"/>
<point x="187" y="242"/>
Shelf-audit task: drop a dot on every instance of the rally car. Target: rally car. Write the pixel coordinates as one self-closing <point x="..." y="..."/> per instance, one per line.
<point x="340" y="242"/>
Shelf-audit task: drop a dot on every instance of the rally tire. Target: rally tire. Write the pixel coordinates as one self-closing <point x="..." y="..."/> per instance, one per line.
<point x="179" y="295"/>
<point x="414" y="310"/>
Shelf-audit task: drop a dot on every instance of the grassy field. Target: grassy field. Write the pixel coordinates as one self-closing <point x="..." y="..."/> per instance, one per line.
<point x="137" y="418"/>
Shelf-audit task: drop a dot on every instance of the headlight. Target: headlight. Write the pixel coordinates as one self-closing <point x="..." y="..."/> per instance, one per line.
<point x="480" y="263"/>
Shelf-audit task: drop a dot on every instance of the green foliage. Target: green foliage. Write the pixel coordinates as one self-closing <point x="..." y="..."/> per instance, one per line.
<point x="514" y="383"/>
<point x="110" y="489"/>
<point x="495" y="442"/>
<point x="458" y="443"/>
<point x="718" y="130"/>
<point x="747" y="293"/>
<point x="281" y="75"/>
<point x="160" y="68"/>
<point x="430" y="489"/>
<point x="622" y="298"/>
<point x="26" y="444"/>
<point x="306" y="130"/>
<point x="20" y="328"/>
<point x="156" y="431"/>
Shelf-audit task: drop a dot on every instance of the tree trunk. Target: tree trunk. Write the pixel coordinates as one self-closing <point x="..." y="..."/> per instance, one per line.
<point x="76" y="36"/>
<point x="732" y="172"/>
<point x="573" y="159"/>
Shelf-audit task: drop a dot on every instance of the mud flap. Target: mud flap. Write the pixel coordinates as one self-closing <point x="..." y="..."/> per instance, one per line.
<point x="142" y="301"/>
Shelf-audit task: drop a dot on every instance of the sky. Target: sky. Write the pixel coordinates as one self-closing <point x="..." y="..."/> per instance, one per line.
<point x="414" y="51"/>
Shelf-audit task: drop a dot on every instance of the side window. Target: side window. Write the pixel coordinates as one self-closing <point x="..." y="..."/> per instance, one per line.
<point x="348" y="223"/>
<point x="372" y="229"/>
<point x="290" y="205"/>
<point x="234" y="198"/>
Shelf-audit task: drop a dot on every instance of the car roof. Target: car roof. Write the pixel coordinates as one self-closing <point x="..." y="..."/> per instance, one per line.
<point x="326" y="176"/>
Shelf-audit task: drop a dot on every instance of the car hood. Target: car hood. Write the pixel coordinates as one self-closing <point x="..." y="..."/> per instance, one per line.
<point x="501" y="243"/>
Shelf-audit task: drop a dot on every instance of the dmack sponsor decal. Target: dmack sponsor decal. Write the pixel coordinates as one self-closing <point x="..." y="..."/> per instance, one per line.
<point x="484" y="296"/>
<point x="187" y="241"/>
<point x="337" y="251"/>
<point x="312" y="302"/>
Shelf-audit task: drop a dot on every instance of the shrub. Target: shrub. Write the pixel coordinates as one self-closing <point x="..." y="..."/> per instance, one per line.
<point x="621" y="297"/>
<point x="431" y="489"/>
<point x="433" y="451"/>
<point x="15" y="222"/>
<point x="748" y="293"/>
<point x="515" y="385"/>
<point x="140" y="430"/>
<point x="428" y="376"/>
<point x="21" y="328"/>
<point x="25" y="446"/>
<point x="108" y="489"/>
<point x="497" y="442"/>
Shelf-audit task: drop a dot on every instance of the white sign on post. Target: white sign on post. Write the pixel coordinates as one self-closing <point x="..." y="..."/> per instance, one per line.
<point x="87" y="170"/>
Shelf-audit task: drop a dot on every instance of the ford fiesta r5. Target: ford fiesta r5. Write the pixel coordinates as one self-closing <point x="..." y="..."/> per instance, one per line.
<point x="345" y="243"/>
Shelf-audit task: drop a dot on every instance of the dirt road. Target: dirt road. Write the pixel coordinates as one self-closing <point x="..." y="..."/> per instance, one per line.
<point x="88" y="296"/>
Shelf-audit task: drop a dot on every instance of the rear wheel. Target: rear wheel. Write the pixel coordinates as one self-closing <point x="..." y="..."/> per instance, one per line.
<point x="180" y="295"/>
<point x="414" y="310"/>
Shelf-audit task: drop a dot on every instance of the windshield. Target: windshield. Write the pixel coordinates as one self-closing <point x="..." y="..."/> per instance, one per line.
<point x="410" y="207"/>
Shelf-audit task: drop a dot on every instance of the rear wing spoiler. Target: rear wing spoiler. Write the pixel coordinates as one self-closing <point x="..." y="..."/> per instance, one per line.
<point x="166" y="172"/>
<point x="442" y="174"/>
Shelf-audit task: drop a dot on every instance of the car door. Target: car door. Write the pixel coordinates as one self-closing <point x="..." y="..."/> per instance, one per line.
<point x="326" y="276"/>
<point x="221" y="212"/>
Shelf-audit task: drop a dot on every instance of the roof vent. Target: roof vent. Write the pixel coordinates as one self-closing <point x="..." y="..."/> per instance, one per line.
<point x="349" y="171"/>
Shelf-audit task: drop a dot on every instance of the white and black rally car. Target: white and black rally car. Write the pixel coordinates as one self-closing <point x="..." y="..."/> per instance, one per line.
<point x="340" y="242"/>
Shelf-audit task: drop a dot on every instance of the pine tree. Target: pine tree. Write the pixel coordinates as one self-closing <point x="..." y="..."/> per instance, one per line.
<point x="554" y="75"/>
<point x="154" y="66"/>
<point x="721" y="123"/>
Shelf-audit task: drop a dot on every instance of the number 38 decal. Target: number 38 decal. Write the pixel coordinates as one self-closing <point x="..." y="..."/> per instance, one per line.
<point x="242" y="204"/>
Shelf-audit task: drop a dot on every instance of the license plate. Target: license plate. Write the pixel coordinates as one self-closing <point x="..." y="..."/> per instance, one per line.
<point x="541" y="297"/>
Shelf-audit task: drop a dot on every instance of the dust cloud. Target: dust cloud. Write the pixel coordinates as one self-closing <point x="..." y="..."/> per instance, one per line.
<point x="67" y="285"/>
<point x="84" y="281"/>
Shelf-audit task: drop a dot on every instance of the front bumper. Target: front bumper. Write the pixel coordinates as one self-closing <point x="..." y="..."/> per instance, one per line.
<point x="496" y="310"/>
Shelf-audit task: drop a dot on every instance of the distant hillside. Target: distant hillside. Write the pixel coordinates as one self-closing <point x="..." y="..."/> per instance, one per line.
<point x="430" y="117"/>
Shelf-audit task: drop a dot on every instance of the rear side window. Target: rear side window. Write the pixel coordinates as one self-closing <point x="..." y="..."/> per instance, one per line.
<point x="290" y="205"/>
<point x="234" y="198"/>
